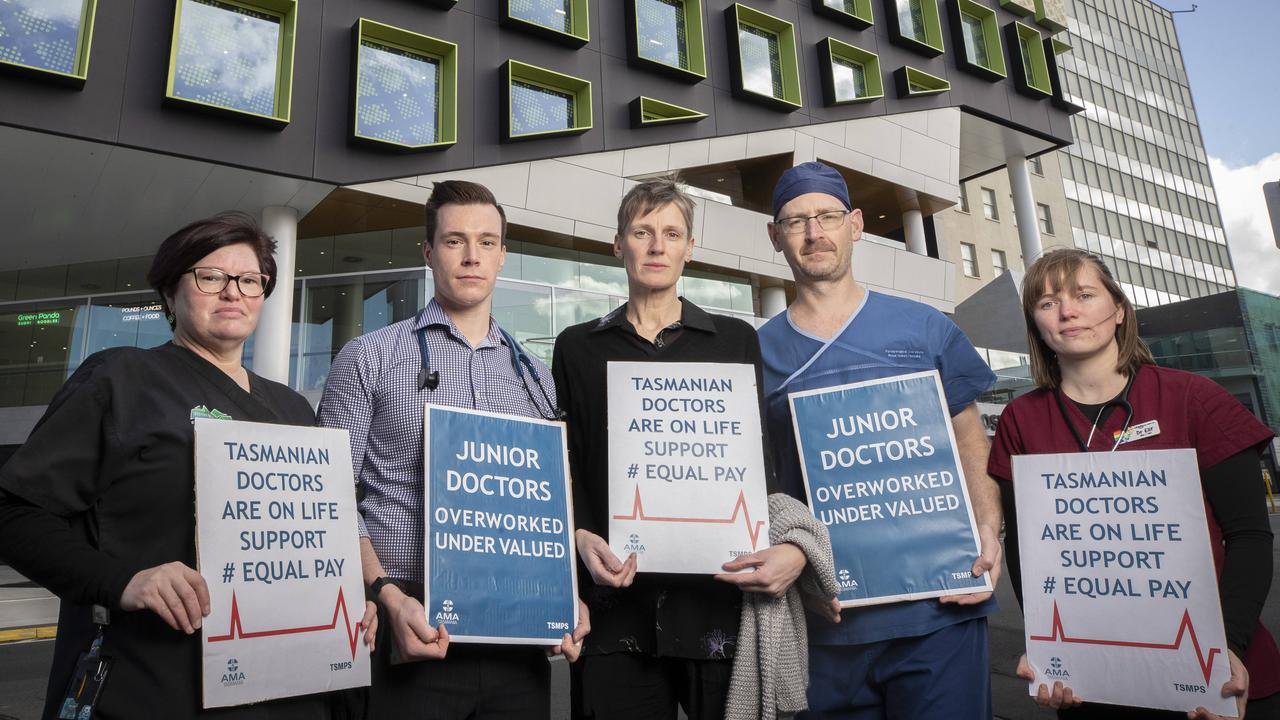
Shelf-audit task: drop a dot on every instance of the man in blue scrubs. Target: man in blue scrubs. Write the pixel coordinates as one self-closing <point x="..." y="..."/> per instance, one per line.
<point x="917" y="659"/>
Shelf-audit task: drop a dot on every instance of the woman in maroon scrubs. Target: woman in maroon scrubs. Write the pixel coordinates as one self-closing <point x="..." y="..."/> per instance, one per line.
<point x="1096" y="378"/>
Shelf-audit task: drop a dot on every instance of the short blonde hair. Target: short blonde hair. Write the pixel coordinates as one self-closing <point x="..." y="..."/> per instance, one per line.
<point x="651" y="195"/>
<point x="1057" y="269"/>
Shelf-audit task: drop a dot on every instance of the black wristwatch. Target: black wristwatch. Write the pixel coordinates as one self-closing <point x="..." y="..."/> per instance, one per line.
<point x="376" y="587"/>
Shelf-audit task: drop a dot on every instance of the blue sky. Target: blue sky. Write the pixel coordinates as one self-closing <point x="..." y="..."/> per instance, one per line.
<point x="1232" y="55"/>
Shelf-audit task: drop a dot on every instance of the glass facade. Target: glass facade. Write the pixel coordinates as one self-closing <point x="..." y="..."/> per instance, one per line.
<point x="41" y="34"/>
<point x="398" y="95"/>
<point x="663" y="36"/>
<point x="228" y="56"/>
<point x="1137" y="177"/>
<point x="537" y="109"/>
<point x="347" y="285"/>
<point x="553" y="14"/>
<point x="761" y="61"/>
<point x="911" y="20"/>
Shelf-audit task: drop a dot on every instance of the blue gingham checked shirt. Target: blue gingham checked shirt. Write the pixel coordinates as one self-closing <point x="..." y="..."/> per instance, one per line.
<point x="372" y="391"/>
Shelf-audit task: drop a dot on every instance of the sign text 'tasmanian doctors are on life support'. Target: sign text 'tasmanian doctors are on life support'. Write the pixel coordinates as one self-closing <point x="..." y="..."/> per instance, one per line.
<point x="686" y="465"/>
<point x="278" y="545"/>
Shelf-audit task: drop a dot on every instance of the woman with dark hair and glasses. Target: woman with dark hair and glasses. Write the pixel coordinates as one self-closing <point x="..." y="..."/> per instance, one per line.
<point x="99" y="504"/>
<point x="1096" y="378"/>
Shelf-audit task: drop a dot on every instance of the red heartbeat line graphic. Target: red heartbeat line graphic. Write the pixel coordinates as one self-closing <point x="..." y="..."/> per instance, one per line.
<point x="1186" y="627"/>
<point x="237" y="630"/>
<point x="753" y="529"/>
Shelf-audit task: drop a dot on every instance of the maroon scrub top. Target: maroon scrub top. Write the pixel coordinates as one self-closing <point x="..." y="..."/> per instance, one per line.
<point x="1192" y="411"/>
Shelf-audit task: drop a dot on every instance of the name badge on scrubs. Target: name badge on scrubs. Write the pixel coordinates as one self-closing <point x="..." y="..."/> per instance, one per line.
<point x="1151" y="428"/>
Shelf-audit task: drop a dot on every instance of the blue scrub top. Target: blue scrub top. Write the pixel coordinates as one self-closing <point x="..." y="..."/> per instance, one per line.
<point x="885" y="336"/>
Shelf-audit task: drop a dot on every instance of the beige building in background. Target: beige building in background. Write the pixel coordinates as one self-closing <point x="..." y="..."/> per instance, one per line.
<point x="979" y="235"/>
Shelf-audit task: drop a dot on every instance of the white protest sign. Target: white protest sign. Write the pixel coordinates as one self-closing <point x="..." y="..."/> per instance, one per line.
<point x="1120" y="596"/>
<point x="686" y="465"/>
<point x="277" y="543"/>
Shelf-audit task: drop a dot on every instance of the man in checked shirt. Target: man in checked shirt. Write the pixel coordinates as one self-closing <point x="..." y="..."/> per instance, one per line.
<point x="377" y="390"/>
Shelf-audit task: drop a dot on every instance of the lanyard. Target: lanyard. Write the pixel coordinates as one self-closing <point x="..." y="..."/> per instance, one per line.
<point x="1122" y="402"/>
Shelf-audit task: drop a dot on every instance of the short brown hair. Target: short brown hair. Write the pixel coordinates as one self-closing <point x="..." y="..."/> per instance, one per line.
<point x="459" y="192"/>
<point x="651" y="195"/>
<point x="1058" y="269"/>
<point x="183" y="249"/>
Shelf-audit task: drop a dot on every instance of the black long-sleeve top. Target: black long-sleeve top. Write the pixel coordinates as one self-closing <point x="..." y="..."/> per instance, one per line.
<point x="660" y="614"/>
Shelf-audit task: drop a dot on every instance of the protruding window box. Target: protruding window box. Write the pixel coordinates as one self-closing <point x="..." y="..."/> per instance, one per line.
<point x="915" y="25"/>
<point x="1053" y="48"/>
<point x="667" y="36"/>
<point x="649" y="112"/>
<point x="912" y="82"/>
<point x="234" y="57"/>
<point x="1030" y="62"/>
<point x="404" y="89"/>
<point x="563" y="21"/>
<point x="855" y="13"/>
<point x="1019" y="7"/>
<point x="849" y="74"/>
<point x="762" y="56"/>
<point x="539" y="103"/>
<point x="1052" y="14"/>
<point x="976" y="33"/>
<point x="47" y="39"/>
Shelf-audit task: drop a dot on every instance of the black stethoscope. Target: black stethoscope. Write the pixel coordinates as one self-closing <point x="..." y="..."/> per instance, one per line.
<point x="1122" y="402"/>
<point x="429" y="379"/>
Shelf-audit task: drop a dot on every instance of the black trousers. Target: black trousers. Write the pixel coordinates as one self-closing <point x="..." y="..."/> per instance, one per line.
<point x="631" y="686"/>
<point x="473" y="682"/>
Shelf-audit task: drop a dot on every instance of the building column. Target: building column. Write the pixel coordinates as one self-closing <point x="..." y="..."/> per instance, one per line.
<point x="913" y="229"/>
<point x="773" y="300"/>
<point x="1024" y="209"/>
<point x="271" y="342"/>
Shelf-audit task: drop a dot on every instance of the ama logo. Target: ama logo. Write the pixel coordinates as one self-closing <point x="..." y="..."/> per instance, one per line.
<point x="633" y="544"/>
<point x="846" y="581"/>
<point x="234" y="675"/>
<point x="446" y="616"/>
<point x="1055" y="669"/>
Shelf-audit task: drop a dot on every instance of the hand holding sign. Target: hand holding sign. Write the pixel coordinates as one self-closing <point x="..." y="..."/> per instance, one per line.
<point x="175" y="592"/>
<point x="415" y="639"/>
<point x="772" y="570"/>
<point x="605" y="567"/>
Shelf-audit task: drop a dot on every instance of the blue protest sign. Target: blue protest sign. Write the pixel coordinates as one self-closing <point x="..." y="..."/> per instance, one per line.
<point x="499" y="559"/>
<point x="882" y="473"/>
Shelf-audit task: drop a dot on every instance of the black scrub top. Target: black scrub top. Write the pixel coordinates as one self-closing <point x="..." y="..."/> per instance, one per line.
<point x="103" y="488"/>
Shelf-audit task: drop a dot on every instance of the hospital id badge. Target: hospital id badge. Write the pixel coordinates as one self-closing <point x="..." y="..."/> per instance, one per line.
<point x="86" y="683"/>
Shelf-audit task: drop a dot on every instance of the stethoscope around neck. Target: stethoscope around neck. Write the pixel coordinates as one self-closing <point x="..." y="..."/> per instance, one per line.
<point x="429" y="379"/>
<point x="1121" y="401"/>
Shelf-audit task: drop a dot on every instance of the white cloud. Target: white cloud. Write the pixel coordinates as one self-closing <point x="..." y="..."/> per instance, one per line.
<point x="1246" y="221"/>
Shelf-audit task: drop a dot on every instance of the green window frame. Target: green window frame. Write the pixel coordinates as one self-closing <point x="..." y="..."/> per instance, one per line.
<point x="1053" y="48"/>
<point x="1019" y="7"/>
<point x="913" y="82"/>
<point x="520" y="79"/>
<point x="62" y="61"/>
<point x="976" y="32"/>
<point x="923" y="31"/>
<point x="371" y="36"/>
<point x="1051" y="14"/>
<point x="651" y="112"/>
<point x="182" y="84"/>
<point x="574" y="30"/>
<point x="689" y="19"/>
<point x="856" y="13"/>
<point x="1026" y="50"/>
<point x="836" y="57"/>
<point x="779" y="37"/>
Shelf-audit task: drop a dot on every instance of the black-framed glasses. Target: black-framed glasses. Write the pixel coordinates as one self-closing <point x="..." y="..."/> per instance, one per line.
<point x="827" y="221"/>
<point x="212" y="281"/>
